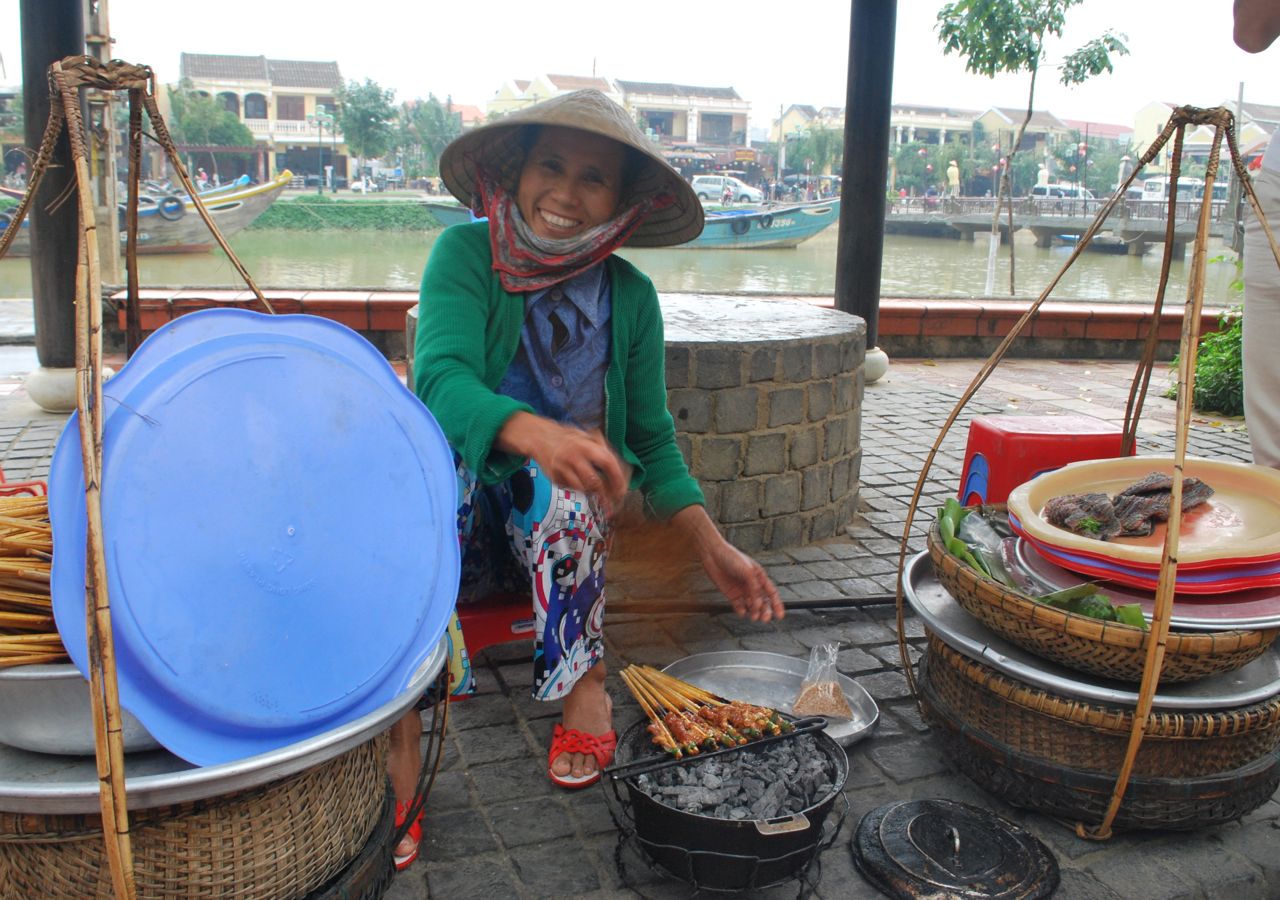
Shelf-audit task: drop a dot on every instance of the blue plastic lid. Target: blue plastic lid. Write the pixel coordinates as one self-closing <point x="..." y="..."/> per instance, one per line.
<point x="279" y="520"/>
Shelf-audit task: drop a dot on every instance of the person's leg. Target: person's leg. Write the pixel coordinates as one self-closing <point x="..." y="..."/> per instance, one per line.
<point x="404" y="756"/>
<point x="1262" y="324"/>
<point x="561" y="536"/>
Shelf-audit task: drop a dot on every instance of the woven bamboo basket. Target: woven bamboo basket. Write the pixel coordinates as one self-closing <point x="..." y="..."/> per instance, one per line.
<point x="1091" y="735"/>
<point x="1029" y="782"/>
<point x="282" y="840"/>
<point x="1109" y="649"/>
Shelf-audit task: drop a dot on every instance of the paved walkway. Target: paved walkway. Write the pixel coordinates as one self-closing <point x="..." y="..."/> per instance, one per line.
<point x="496" y="828"/>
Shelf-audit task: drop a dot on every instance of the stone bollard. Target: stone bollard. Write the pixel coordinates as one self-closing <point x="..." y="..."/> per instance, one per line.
<point x="767" y="401"/>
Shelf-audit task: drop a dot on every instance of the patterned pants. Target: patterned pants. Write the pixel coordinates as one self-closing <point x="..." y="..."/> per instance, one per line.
<point x="528" y="535"/>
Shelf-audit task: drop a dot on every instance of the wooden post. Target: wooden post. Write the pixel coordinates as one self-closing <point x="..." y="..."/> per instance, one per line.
<point x="866" y="140"/>
<point x="51" y="29"/>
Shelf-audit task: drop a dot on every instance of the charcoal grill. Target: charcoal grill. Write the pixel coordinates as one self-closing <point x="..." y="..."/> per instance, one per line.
<point x="718" y="854"/>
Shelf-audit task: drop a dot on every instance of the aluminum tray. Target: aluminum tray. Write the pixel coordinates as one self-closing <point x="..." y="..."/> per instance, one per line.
<point x="47" y="709"/>
<point x="941" y="614"/>
<point x="39" y="783"/>
<point x="773" y="680"/>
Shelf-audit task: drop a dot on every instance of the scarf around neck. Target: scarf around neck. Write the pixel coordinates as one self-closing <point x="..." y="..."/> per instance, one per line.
<point x="525" y="262"/>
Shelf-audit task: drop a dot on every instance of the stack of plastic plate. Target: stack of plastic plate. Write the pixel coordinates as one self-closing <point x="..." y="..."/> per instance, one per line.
<point x="1229" y="543"/>
<point x="279" y="520"/>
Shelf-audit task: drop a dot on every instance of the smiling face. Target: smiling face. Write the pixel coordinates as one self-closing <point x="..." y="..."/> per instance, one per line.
<point x="571" y="181"/>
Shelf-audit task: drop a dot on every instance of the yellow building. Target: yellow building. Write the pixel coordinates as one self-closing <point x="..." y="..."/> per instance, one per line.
<point x="517" y="94"/>
<point x="1256" y="124"/>
<point x="284" y="102"/>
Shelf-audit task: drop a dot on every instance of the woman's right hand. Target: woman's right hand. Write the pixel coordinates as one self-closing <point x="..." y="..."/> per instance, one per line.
<point x="568" y="456"/>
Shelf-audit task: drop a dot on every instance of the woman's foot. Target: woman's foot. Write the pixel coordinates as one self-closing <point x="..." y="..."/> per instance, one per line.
<point x="407" y="850"/>
<point x="403" y="762"/>
<point x="589" y="710"/>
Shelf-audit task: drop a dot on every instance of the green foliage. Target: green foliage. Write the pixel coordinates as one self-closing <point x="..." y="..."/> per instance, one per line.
<point x="1093" y="58"/>
<point x="425" y="128"/>
<point x="366" y="118"/>
<point x="321" y="213"/>
<point x="199" y="120"/>
<point x="822" y="147"/>
<point x="11" y="115"/>
<point x="1219" y="383"/>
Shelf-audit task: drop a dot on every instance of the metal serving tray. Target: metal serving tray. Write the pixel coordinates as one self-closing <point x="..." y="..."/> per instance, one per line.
<point x="40" y="783"/>
<point x="941" y="614"/>
<point x="773" y="680"/>
<point x="47" y="709"/>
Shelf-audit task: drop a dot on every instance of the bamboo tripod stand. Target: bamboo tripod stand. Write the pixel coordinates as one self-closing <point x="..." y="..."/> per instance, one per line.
<point x="67" y="78"/>
<point x="1222" y="121"/>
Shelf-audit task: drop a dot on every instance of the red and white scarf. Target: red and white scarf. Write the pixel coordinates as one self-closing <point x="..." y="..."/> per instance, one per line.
<point x="526" y="262"/>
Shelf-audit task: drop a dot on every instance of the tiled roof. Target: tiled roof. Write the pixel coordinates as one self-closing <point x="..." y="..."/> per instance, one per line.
<point x="1039" y="118"/>
<point x="1099" y="129"/>
<point x="222" y="67"/>
<point x="522" y="84"/>
<point x="580" y="82"/>
<point x="280" y="72"/>
<point x="666" y="89"/>
<point x="469" y="113"/>
<point x="304" y="74"/>
<point x="1260" y="113"/>
<point x="936" y="111"/>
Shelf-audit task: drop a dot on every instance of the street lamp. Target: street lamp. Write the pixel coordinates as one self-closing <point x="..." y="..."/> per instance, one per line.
<point x="321" y="119"/>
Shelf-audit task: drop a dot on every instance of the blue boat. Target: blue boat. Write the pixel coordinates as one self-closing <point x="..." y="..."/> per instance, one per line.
<point x="747" y="228"/>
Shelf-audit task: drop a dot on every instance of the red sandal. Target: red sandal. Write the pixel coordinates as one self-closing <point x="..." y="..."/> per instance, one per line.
<point x="571" y="740"/>
<point x="414" y="832"/>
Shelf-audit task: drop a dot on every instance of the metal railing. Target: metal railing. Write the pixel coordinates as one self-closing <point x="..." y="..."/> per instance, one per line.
<point x="1184" y="210"/>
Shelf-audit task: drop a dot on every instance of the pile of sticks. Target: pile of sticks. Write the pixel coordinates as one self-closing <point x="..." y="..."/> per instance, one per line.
<point x="27" y="631"/>
<point x="685" y="720"/>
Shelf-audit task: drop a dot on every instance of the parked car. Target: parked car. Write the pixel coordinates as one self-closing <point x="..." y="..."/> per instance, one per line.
<point x="712" y="187"/>
<point x="1060" y="192"/>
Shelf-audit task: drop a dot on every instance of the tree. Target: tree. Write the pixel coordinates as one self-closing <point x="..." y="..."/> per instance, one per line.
<point x="197" y="120"/>
<point x="426" y="128"/>
<point x="1008" y="36"/>
<point x="366" y="117"/>
<point x="823" y="147"/>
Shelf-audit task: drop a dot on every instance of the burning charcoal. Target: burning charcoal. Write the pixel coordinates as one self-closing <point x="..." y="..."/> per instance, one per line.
<point x="1091" y="515"/>
<point x="711" y="780"/>
<point x="752" y="788"/>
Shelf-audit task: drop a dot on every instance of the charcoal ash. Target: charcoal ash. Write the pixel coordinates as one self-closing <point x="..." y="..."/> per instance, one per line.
<point x="781" y="778"/>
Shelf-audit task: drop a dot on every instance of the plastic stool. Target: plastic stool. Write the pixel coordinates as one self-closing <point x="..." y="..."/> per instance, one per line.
<point x="1005" y="451"/>
<point x="495" y="619"/>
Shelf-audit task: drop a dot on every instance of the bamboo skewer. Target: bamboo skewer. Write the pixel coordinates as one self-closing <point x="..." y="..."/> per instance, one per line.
<point x="653" y="716"/>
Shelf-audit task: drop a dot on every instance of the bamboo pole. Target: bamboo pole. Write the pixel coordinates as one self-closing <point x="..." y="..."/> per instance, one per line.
<point x="105" y="700"/>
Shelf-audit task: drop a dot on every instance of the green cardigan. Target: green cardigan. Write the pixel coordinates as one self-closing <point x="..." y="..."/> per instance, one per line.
<point x="468" y="332"/>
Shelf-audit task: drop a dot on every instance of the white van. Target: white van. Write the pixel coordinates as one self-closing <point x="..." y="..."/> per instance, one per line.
<point x="1060" y="192"/>
<point x="1157" y="188"/>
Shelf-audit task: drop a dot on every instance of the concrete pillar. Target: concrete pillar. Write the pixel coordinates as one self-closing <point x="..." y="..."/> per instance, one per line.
<point x="691" y="126"/>
<point x="51" y="30"/>
<point x="1136" y="248"/>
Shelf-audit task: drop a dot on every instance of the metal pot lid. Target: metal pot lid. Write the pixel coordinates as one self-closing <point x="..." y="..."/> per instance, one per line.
<point x="942" y="849"/>
<point x="942" y="615"/>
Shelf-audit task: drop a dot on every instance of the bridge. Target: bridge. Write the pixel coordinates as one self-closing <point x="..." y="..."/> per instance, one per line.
<point x="1133" y="225"/>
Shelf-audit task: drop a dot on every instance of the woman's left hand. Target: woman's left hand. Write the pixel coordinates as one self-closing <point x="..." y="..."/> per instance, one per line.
<point x="740" y="578"/>
<point x="743" y="581"/>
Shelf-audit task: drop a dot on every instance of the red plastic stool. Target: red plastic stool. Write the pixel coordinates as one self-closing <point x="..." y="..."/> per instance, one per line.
<point x="495" y="619"/>
<point x="1005" y="451"/>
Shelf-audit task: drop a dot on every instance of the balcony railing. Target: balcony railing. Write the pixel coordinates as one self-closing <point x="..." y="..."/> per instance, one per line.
<point x="289" y="129"/>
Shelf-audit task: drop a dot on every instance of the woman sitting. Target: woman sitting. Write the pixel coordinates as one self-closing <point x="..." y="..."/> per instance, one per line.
<point x="541" y="355"/>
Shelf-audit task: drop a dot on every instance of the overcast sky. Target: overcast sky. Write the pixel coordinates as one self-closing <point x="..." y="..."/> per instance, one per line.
<point x="772" y="53"/>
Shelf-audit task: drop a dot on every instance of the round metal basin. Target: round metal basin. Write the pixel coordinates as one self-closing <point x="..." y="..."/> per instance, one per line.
<point x="42" y="783"/>
<point x="46" y="709"/>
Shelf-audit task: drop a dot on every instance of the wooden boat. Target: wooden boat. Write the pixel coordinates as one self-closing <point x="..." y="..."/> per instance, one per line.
<point x="172" y="224"/>
<point x="748" y="228"/>
<point x="759" y="227"/>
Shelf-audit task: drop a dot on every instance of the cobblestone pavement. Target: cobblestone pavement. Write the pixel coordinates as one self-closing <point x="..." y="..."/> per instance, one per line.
<point x="496" y="828"/>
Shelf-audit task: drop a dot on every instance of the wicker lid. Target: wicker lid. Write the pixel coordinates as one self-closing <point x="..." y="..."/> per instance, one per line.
<point x="497" y="147"/>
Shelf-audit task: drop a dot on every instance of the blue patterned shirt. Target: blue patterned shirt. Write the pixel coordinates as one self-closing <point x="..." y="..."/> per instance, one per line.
<point x="568" y="385"/>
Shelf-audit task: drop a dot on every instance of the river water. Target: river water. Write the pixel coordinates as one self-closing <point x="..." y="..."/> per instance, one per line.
<point x="913" y="266"/>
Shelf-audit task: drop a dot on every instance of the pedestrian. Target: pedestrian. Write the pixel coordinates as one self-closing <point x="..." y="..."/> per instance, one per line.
<point x="1257" y="24"/>
<point x="953" y="179"/>
<point x="540" y="354"/>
